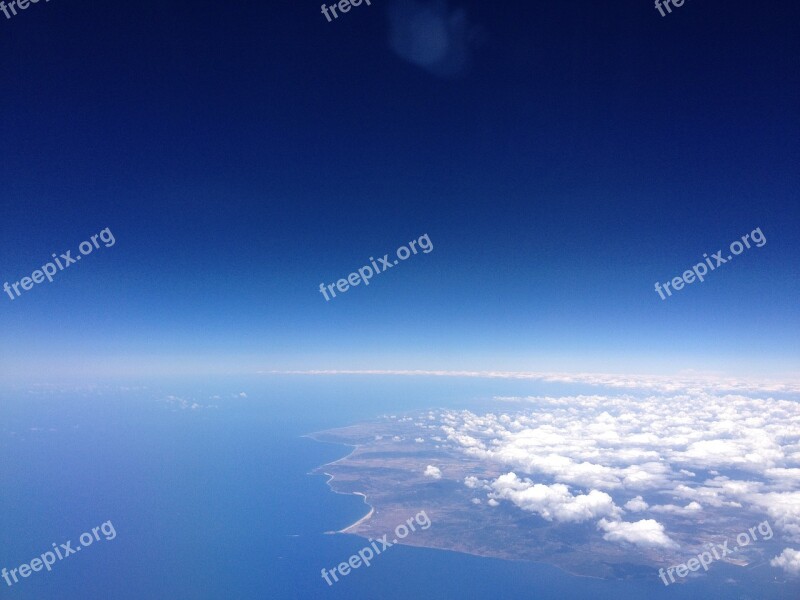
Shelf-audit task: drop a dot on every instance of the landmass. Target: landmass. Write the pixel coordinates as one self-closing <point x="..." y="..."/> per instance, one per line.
<point x="405" y="464"/>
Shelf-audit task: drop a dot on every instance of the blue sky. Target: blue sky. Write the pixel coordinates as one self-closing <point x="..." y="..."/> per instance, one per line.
<point x="562" y="158"/>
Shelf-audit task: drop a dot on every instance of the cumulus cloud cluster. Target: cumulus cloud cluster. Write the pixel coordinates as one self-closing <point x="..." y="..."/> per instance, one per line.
<point x="671" y="459"/>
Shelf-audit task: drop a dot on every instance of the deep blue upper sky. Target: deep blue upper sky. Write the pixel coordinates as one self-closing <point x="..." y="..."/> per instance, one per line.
<point x="243" y="153"/>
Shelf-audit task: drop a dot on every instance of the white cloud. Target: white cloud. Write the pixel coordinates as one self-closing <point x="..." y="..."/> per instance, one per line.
<point x="473" y="482"/>
<point x="692" y="507"/>
<point x="636" y="504"/>
<point x="419" y="440"/>
<point x="553" y="502"/>
<point x="788" y="560"/>
<point x="646" y="533"/>
<point x="433" y="472"/>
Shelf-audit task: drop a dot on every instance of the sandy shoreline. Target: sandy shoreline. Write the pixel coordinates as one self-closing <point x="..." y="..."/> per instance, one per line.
<point x="331" y="478"/>
<point x="362" y="519"/>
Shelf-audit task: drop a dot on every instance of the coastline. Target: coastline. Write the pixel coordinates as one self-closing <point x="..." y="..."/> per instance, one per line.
<point x="362" y="519"/>
<point x="429" y="546"/>
<point x="355" y="447"/>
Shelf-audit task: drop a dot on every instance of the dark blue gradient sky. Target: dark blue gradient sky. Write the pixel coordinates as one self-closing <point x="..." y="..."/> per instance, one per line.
<point x="243" y="153"/>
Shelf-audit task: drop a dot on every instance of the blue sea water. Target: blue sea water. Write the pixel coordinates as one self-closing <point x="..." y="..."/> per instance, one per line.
<point x="216" y="502"/>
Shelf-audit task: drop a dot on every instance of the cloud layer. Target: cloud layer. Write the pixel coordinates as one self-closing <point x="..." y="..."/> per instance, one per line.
<point x="688" y="383"/>
<point x="672" y="461"/>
